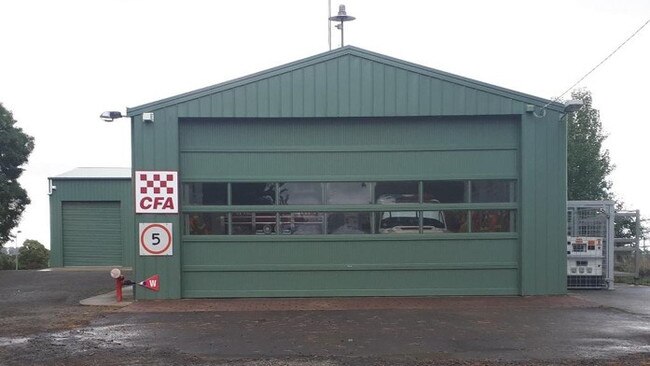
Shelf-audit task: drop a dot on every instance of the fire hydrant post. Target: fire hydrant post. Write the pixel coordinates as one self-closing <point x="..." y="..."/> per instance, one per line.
<point x="119" y="282"/>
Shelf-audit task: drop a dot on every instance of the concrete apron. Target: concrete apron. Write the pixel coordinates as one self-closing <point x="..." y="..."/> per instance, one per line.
<point x="109" y="299"/>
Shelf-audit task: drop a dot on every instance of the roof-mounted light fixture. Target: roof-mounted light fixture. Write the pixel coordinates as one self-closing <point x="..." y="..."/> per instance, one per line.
<point x="342" y="17"/>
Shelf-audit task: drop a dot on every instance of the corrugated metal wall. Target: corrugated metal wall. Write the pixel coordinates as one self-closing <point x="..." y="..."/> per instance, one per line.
<point x="354" y="83"/>
<point x="349" y="86"/>
<point x="543" y="204"/>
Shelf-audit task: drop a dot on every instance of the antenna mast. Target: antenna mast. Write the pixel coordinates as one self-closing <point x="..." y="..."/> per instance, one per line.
<point x="329" y="23"/>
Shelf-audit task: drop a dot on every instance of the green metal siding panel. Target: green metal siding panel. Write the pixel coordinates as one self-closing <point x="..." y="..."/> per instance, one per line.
<point x="350" y="283"/>
<point x="543" y="205"/>
<point x="436" y="97"/>
<point x="386" y="165"/>
<point x="354" y="53"/>
<point x="371" y="148"/>
<point x="156" y="148"/>
<point x="320" y="90"/>
<point x="459" y="100"/>
<point x="251" y="91"/>
<point x="366" y="88"/>
<point x="56" y="235"/>
<point x="286" y="92"/>
<point x="343" y="81"/>
<point x="245" y="254"/>
<point x="559" y="198"/>
<point x="424" y="96"/>
<point x="91" y="190"/>
<point x="348" y="86"/>
<point x="240" y="101"/>
<point x="331" y="74"/>
<point x="228" y="103"/>
<point x="541" y="193"/>
<point x="412" y="97"/>
<point x="92" y="234"/>
<point x="345" y="267"/>
<point x="297" y="93"/>
<point x="274" y="97"/>
<point x="193" y="107"/>
<point x="205" y="106"/>
<point x="390" y="106"/>
<point x="366" y="134"/>
<point x="354" y="77"/>
<point x="379" y="87"/>
<point x="263" y="97"/>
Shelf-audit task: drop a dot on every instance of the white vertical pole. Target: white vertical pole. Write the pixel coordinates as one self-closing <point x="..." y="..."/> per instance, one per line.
<point x="17" y="249"/>
<point x="611" y="238"/>
<point x="637" y="241"/>
<point x="329" y="23"/>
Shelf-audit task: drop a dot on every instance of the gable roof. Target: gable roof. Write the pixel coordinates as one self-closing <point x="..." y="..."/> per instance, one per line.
<point x="341" y="53"/>
<point x="95" y="173"/>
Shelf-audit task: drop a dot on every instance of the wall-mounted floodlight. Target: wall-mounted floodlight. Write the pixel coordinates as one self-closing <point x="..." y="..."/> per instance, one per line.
<point x="342" y="16"/>
<point x="573" y="105"/>
<point x="147" y="117"/>
<point x="50" y="187"/>
<point x="109" y="116"/>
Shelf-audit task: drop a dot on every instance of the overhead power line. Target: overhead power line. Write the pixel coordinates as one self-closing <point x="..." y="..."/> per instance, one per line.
<point x="600" y="63"/>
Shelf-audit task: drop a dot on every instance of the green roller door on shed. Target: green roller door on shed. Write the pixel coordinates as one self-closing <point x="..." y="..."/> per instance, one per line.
<point x="348" y="150"/>
<point x="92" y="234"/>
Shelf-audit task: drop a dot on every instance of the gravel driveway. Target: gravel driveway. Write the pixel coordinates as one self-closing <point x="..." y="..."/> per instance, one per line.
<point x="42" y="323"/>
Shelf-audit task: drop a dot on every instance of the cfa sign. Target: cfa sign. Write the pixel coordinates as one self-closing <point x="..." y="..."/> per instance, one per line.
<point x="156" y="192"/>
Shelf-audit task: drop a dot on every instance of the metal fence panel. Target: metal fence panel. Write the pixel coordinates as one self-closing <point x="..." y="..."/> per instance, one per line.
<point x="591" y="219"/>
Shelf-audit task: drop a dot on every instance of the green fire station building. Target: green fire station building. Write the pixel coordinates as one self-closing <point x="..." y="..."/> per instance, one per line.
<point x="348" y="173"/>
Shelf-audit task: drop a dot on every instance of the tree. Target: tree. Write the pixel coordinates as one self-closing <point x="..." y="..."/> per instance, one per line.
<point x="625" y="227"/>
<point x="588" y="164"/>
<point x="7" y="261"/>
<point x="33" y="255"/>
<point x="15" y="147"/>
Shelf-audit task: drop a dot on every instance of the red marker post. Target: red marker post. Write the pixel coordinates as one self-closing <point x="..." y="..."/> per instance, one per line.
<point x="119" y="283"/>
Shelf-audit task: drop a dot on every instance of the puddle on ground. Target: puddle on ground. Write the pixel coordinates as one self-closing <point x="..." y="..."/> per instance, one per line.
<point x="110" y="336"/>
<point x="607" y="348"/>
<point x="6" y="341"/>
<point x="80" y="340"/>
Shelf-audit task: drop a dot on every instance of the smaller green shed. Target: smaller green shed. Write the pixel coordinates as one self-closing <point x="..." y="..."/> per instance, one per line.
<point x="91" y="218"/>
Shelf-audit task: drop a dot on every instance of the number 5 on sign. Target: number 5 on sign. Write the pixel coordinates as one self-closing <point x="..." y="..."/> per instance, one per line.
<point x="156" y="239"/>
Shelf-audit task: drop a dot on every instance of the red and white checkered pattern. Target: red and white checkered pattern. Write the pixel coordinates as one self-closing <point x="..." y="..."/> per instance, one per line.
<point x="157" y="183"/>
<point x="156" y="192"/>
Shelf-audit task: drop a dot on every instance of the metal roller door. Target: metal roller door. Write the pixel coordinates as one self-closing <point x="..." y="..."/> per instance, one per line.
<point x="92" y="234"/>
<point x="220" y="258"/>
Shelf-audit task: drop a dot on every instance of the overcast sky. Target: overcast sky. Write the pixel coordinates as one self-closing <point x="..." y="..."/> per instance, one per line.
<point x="64" y="62"/>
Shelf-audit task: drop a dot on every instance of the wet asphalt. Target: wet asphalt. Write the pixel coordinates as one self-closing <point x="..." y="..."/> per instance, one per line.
<point x="588" y="327"/>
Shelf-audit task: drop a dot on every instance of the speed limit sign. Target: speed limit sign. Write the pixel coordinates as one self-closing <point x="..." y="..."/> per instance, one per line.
<point x="156" y="239"/>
